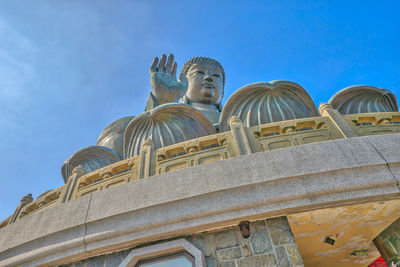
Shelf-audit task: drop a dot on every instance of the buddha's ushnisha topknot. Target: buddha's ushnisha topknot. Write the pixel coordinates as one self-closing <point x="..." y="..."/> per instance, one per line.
<point x="185" y="68"/>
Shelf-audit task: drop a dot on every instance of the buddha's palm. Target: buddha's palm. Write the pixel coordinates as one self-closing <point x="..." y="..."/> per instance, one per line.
<point x="164" y="85"/>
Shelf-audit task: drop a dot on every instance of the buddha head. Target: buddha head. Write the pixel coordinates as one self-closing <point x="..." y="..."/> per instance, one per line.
<point x="206" y="81"/>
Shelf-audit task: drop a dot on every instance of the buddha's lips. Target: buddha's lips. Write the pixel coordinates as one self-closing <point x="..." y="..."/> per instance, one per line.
<point x="208" y="85"/>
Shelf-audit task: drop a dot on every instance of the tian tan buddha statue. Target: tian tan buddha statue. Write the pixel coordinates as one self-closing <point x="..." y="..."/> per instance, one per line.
<point x="189" y="107"/>
<point x="200" y="84"/>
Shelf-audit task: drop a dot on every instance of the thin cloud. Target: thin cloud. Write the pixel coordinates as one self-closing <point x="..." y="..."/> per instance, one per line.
<point x="16" y="72"/>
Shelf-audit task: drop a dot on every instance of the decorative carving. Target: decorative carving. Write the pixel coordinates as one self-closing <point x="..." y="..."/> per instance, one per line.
<point x="90" y="158"/>
<point x="364" y="99"/>
<point x="112" y="136"/>
<point x="166" y="125"/>
<point x="260" y="103"/>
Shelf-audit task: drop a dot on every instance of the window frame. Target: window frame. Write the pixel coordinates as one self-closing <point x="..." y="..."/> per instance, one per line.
<point x="170" y="256"/>
<point x="165" y="250"/>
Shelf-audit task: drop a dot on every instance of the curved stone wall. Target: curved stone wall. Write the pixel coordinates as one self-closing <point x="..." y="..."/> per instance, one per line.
<point x="249" y="187"/>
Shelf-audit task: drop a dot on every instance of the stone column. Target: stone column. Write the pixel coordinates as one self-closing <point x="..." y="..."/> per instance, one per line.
<point x="388" y="244"/>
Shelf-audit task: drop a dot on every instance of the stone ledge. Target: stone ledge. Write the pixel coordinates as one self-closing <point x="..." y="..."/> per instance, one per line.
<point x="279" y="182"/>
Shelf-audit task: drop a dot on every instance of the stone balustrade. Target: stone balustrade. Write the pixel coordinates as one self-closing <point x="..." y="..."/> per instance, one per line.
<point x="238" y="141"/>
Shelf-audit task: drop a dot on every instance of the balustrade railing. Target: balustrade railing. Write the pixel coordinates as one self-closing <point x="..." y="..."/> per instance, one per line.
<point x="375" y="123"/>
<point x="238" y="141"/>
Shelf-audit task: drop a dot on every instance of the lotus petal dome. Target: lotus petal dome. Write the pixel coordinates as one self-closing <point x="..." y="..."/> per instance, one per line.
<point x="262" y="102"/>
<point x="113" y="135"/>
<point x="166" y="125"/>
<point x="90" y="158"/>
<point x="364" y="99"/>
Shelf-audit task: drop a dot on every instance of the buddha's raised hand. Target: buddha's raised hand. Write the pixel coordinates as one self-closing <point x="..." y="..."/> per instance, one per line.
<point x="164" y="85"/>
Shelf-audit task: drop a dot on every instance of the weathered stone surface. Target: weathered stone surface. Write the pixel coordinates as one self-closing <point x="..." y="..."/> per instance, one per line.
<point x="52" y="220"/>
<point x="226" y="239"/>
<point x="115" y="259"/>
<point x="228" y="253"/>
<point x="339" y="172"/>
<point x="226" y="264"/>
<point x="245" y="245"/>
<point x="388" y="146"/>
<point x="257" y="225"/>
<point x="205" y="243"/>
<point x="280" y="232"/>
<point x="294" y="255"/>
<point x="260" y="241"/>
<point x="96" y="261"/>
<point x="282" y="257"/>
<point x="211" y="262"/>
<point x="259" y="261"/>
<point x="81" y="264"/>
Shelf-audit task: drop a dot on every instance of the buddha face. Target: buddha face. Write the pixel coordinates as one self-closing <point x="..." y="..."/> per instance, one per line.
<point x="205" y="83"/>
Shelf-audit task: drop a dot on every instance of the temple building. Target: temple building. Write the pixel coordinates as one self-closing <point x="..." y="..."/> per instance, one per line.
<point x="268" y="179"/>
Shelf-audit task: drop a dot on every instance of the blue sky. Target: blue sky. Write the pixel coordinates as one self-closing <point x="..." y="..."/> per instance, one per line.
<point x="70" y="68"/>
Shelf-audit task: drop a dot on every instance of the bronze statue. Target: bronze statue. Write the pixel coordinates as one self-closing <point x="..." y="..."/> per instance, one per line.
<point x="200" y="84"/>
<point x="188" y="107"/>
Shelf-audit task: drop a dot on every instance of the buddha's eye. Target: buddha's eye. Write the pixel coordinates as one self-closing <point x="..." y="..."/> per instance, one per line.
<point x="217" y="76"/>
<point x="199" y="72"/>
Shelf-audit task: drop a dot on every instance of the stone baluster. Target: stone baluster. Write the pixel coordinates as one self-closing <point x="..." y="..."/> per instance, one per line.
<point x="70" y="186"/>
<point x="18" y="211"/>
<point x="242" y="143"/>
<point x="339" y="121"/>
<point x="146" y="165"/>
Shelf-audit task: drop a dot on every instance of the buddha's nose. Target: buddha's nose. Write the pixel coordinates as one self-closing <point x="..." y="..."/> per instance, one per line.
<point x="208" y="78"/>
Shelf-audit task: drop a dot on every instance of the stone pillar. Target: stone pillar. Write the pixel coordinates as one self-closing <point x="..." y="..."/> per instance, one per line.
<point x="147" y="166"/>
<point x="70" y="186"/>
<point x="17" y="213"/>
<point x="340" y="122"/>
<point x="242" y="143"/>
<point x="388" y="244"/>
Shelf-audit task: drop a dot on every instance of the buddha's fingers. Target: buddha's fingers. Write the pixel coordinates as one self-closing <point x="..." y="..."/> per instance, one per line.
<point x="170" y="62"/>
<point x="153" y="67"/>
<point x="174" y="67"/>
<point x="161" y="65"/>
